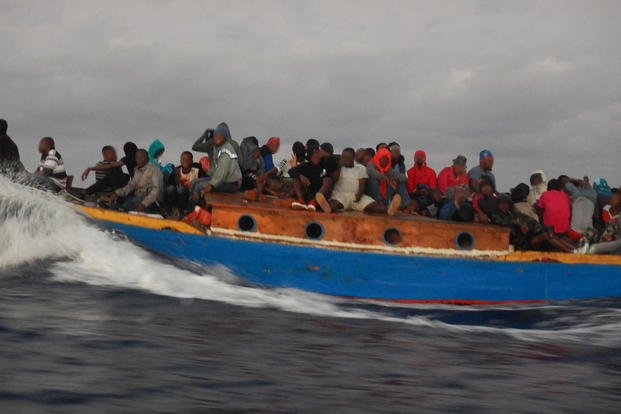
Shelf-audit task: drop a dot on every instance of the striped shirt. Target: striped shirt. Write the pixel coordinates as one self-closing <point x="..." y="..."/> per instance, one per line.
<point x="101" y="175"/>
<point x="52" y="165"/>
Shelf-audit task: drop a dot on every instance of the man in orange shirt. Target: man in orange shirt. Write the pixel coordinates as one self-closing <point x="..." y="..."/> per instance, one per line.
<point x="451" y="177"/>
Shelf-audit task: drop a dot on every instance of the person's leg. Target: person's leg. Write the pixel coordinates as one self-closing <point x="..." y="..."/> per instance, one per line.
<point x="131" y="203"/>
<point x="326" y="187"/>
<point x="612" y="247"/>
<point x="373" y="189"/>
<point x="99" y="186"/>
<point x="182" y="198"/>
<point x="402" y="190"/>
<point x="376" y="208"/>
<point x="116" y="179"/>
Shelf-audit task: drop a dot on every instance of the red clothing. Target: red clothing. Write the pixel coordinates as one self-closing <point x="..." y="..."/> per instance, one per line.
<point x="382" y="152"/>
<point x="556" y="208"/>
<point x="422" y="175"/>
<point x="608" y="215"/>
<point x="447" y="179"/>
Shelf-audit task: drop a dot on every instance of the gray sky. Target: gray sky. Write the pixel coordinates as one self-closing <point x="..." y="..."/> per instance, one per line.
<point x="538" y="83"/>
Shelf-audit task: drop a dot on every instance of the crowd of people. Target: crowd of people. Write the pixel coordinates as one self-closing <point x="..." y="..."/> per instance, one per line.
<point x="562" y="214"/>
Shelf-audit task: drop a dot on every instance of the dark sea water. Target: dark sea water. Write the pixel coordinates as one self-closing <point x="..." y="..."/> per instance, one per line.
<point x="91" y="323"/>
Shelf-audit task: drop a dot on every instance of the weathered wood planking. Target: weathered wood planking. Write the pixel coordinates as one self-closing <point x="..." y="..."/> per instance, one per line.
<point x="355" y="227"/>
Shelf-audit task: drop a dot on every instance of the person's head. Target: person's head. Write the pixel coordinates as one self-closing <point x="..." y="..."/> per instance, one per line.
<point x="420" y="158"/>
<point x="486" y="160"/>
<point x="108" y="153"/>
<point x="422" y="190"/>
<point x="370" y="153"/>
<point x="187" y="159"/>
<point x="381" y="145"/>
<point x="3" y="126"/>
<point x="311" y="144"/>
<point x="142" y="157"/>
<point x="554" y="184"/>
<point x="395" y="151"/>
<point x="130" y="149"/>
<point x="520" y="193"/>
<point x="459" y="165"/>
<point x="327" y="147"/>
<point x="486" y="187"/>
<point x="563" y="179"/>
<point x="221" y="134"/>
<point x="348" y="157"/>
<point x="273" y="145"/>
<point x="298" y="150"/>
<point x="360" y="154"/>
<point x="46" y="144"/>
<point x="503" y="204"/>
<point x="536" y="179"/>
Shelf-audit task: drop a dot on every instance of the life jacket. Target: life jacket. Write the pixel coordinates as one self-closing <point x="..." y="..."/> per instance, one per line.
<point x="381" y="153"/>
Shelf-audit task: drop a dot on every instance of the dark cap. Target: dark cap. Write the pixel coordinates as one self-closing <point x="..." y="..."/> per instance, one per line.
<point x="460" y="160"/>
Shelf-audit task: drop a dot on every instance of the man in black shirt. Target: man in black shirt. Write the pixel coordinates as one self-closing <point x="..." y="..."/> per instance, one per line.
<point x="9" y="153"/>
<point x="307" y="180"/>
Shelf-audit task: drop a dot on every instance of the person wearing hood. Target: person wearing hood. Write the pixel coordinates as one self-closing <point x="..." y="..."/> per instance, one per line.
<point x="385" y="179"/>
<point x="539" y="185"/>
<point x="205" y="143"/>
<point x="454" y="175"/>
<point x="156" y="150"/>
<point x="225" y="174"/>
<point x="9" y="153"/>
<point x="252" y="164"/>
<point x="420" y="173"/>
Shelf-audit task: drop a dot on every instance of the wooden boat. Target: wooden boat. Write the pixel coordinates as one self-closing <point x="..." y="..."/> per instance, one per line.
<point x="403" y="259"/>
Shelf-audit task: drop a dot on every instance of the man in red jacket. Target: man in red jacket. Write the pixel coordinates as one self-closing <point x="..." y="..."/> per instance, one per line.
<point x="420" y="173"/>
<point x="454" y="175"/>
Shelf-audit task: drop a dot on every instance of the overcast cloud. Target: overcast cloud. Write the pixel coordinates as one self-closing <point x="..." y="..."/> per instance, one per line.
<point x="538" y="83"/>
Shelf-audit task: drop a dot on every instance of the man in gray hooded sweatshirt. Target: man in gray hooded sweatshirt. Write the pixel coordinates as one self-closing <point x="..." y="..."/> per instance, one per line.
<point x="225" y="174"/>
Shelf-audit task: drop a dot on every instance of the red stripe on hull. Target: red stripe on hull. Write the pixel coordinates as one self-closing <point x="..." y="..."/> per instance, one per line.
<point x="461" y="302"/>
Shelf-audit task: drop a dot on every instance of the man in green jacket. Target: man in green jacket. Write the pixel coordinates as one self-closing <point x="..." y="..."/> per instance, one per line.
<point x="225" y="175"/>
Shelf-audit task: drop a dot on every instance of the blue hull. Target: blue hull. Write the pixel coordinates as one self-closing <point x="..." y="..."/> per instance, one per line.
<point x="384" y="276"/>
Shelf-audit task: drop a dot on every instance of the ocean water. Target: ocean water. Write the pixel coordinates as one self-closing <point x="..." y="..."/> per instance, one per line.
<point x="91" y="323"/>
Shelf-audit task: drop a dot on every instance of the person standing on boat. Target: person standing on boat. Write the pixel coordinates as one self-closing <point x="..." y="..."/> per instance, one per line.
<point x="451" y="177"/>
<point x="225" y="175"/>
<point x="51" y="171"/>
<point x="9" y="153"/>
<point x="484" y="169"/>
<point x="348" y="193"/>
<point x="145" y="189"/>
<point x="420" y="173"/>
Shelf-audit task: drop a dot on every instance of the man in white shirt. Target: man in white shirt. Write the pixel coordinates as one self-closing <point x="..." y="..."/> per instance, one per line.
<point x="51" y="165"/>
<point x="348" y="192"/>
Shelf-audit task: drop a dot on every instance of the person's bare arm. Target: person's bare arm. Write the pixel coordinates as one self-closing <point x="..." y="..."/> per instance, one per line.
<point x="102" y="167"/>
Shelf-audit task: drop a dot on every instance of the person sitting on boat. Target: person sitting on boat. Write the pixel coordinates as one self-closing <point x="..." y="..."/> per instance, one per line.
<point x="399" y="171"/>
<point x="225" y="175"/>
<point x="457" y="206"/>
<point x="254" y="176"/>
<point x="526" y="233"/>
<point x="454" y="175"/>
<point x="348" y="193"/>
<point x="331" y="166"/>
<point x="583" y="201"/>
<point x="538" y="186"/>
<point x="178" y="189"/>
<point x="156" y="150"/>
<point x="307" y="180"/>
<point x="610" y="239"/>
<point x="380" y="146"/>
<point x="484" y="169"/>
<point x="9" y="153"/>
<point x="298" y="156"/>
<point x="364" y="156"/>
<point x="205" y="142"/>
<point x="519" y="197"/>
<point x="421" y="173"/>
<point x="484" y="201"/>
<point x="271" y="147"/>
<point x="310" y="146"/>
<point x="108" y="173"/>
<point x="144" y="190"/>
<point x="383" y="181"/>
<point x="555" y="207"/>
<point x="51" y="172"/>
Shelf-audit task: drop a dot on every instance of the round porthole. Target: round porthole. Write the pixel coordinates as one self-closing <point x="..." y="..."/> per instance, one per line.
<point x="314" y="230"/>
<point x="464" y="241"/>
<point x="392" y="236"/>
<point x="247" y="223"/>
